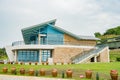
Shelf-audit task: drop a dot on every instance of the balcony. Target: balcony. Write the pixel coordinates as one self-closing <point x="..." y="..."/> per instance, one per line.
<point x="53" y="43"/>
<point x="16" y="43"/>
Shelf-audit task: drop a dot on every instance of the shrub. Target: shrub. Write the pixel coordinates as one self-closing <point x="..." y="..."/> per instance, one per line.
<point x="36" y="73"/>
<point x="118" y="59"/>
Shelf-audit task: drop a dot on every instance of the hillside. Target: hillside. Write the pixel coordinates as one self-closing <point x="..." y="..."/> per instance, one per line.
<point x="110" y="33"/>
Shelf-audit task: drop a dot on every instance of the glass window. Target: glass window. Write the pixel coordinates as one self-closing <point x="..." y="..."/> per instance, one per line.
<point x="45" y="55"/>
<point x="28" y="55"/>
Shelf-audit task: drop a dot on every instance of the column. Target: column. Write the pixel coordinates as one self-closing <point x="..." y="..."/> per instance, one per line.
<point x="95" y="59"/>
<point x="38" y="38"/>
<point x="108" y="54"/>
<point x="15" y="57"/>
<point x="40" y="54"/>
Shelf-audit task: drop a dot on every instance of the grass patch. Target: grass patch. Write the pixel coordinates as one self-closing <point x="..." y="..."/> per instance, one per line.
<point x="102" y="68"/>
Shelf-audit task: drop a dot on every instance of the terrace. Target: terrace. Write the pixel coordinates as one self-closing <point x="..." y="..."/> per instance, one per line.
<point x="51" y="42"/>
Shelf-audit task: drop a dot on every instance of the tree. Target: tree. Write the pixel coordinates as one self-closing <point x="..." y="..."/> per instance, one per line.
<point x="110" y="31"/>
<point x="115" y="31"/>
<point x="2" y="52"/>
<point x="97" y="34"/>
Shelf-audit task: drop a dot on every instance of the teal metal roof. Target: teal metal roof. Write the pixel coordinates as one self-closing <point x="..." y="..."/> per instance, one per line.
<point x="75" y="36"/>
<point x="65" y="31"/>
<point x="88" y="37"/>
<point x="32" y="30"/>
<point x="38" y="25"/>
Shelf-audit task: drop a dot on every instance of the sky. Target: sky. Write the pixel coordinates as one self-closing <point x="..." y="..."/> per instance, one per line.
<point x="81" y="17"/>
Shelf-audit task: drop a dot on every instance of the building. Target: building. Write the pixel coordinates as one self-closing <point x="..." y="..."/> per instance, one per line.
<point x="113" y="43"/>
<point x="46" y="42"/>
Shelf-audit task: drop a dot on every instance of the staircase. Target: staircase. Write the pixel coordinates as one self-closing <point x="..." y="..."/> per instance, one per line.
<point x="9" y="53"/>
<point x="87" y="55"/>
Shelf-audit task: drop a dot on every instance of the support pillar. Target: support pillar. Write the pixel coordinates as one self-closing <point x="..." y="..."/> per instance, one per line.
<point x="95" y="59"/>
<point x="15" y="57"/>
<point x="40" y="56"/>
<point x="38" y="38"/>
<point x="108" y="54"/>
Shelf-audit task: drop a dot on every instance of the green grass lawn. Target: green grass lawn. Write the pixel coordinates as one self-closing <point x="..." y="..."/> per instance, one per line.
<point x="102" y="68"/>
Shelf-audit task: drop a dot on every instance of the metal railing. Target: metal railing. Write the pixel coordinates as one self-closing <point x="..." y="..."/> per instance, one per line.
<point x="51" y="42"/>
<point x="86" y="55"/>
<point x="16" y="43"/>
<point x="80" y="54"/>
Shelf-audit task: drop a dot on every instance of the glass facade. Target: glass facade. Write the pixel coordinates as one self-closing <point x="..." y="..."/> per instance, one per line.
<point x="28" y="55"/>
<point x="49" y="36"/>
<point x="54" y="39"/>
<point x="45" y="55"/>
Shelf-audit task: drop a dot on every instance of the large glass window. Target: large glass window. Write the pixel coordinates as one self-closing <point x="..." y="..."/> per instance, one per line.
<point x="28" y="55"/>
<point x="54" y="39"/>
<point x="46" y="54"/>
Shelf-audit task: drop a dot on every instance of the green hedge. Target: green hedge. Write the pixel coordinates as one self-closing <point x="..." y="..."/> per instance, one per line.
<point x="118" y="59"/>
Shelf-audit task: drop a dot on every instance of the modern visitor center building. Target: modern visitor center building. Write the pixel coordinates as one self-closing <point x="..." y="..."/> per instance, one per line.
<point x="46" y="42"/>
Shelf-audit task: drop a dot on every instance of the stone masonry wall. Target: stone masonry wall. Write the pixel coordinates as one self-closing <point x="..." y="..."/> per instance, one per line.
<point x="104" y="55"/>
<point x="63" y="54"/>
<point x="70" y="40"/>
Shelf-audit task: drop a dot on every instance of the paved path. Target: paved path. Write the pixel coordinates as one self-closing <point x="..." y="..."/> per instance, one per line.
<point x="12" y="77"/>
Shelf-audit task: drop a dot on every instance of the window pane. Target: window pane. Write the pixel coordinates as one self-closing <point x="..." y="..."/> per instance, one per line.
<point x="45" y="55"/>
<point x="27" y="55"/>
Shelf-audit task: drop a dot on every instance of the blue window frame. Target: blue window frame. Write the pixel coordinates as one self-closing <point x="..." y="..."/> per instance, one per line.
<point x="46" y="54"/>
<point x="28" y="55"/>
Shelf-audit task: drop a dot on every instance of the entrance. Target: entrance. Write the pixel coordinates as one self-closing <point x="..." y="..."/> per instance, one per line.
<point x="92" y="59"/>
<point x="45" y="55"/>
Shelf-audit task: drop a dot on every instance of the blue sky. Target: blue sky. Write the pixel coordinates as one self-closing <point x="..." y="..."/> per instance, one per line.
<point x="82" y="17"/>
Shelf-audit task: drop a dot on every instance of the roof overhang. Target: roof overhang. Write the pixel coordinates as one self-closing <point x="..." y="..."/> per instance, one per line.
<point x="33" y="30"/>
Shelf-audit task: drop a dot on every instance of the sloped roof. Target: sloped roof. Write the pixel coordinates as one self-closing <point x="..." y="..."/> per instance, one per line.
<point x="76" y="36"/>
<point x="29" y="31"/>
<point x="41" y="24"/>
<point x="88" y="37"/>
<point x="32" y="30"/>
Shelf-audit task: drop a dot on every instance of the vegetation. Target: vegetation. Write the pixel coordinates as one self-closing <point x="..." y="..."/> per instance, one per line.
<point x="114" y="54"/>
<point x="115" y="31"/>
<point x="110" y="33"/>
<point x="3" y="54"/>
<point x="97" y="34"/>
